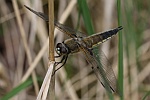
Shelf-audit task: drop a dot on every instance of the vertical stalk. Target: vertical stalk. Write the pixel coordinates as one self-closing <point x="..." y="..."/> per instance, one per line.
<point x="120" y="56"/>
<point x="51" y="29"/>
<point x="51" y="46"/>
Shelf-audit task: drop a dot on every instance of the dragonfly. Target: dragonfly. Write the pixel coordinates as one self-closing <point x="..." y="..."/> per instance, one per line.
<point x="78" y="42"/>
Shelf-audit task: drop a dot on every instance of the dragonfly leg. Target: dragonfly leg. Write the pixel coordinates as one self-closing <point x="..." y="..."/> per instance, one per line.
<point x="56" y="63"/>
<point x="63" y="59"/>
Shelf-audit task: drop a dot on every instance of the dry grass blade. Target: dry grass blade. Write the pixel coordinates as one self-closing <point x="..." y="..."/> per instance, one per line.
<point x="42" y="95"/>
<point x="22" y="31"/>
<point x="9" y="17"/>
<point x="35" y="62"/>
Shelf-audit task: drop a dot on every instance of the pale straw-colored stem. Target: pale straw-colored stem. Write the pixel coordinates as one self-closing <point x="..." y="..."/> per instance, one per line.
<point x="24" y="39"/>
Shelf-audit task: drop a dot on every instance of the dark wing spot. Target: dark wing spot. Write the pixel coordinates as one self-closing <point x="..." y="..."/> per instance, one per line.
<point x="109" y="86"/>
<point x="103" y="84"/>
<point x="112" y="89"/>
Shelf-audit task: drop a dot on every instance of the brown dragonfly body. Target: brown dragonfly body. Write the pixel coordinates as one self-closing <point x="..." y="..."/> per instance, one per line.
<point x="78" y="42"/>
<point x="90" y="41"/>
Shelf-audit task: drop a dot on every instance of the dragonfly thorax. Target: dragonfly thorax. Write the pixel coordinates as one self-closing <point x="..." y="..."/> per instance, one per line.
<point x="61" y="49"/>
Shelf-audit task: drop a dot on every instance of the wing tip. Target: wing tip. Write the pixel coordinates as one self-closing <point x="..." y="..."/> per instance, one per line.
<point x="39" y="14"/>
<point x="31" y="10"/>
<point x="112" y="90"/>
<point x="28" y="8"/>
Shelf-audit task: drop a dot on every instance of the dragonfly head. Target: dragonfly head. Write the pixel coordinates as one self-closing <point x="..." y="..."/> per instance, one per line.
<point x="61" y="49"/>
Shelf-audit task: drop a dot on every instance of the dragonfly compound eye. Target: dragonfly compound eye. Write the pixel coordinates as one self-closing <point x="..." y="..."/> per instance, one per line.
<point x="61" y="49"/>
<point x="58" y="50"/>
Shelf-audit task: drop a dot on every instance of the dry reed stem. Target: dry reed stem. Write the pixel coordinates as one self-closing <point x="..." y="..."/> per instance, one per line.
<point x="35" y="62"/>
<point x="90" y="92"/>
<point x="19" y="69"/>
<point x="22" y="31"/>
<point x="9" y="16"/>
<point x="59" y="91"/>
<point x="8" y="40"/>
<point x="85" y="80"/>
<point x="77" y="77"/>
<point x="99" y="95"/>
<point x="144" y="73"/>
<point x="78" y="83"/>
<point x="61" y="8"/>
<point x="51" y="50"/>
<point x="45" y="92"/>
<point x="140" y="76"/>
<point x="126" y="77"/>
<point x="67" y="11"/>
<point x="45" y="82"/>
<point x="51" y="29"/>
<point x="70" y="89"/>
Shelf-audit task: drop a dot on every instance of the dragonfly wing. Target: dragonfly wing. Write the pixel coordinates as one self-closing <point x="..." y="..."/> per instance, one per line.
<point x="69" y="31"/>
<point x="65" y="29"/>
<point x="103" y="71"/>
<point x="40" y="14"/>
<point x="104" y="64"/>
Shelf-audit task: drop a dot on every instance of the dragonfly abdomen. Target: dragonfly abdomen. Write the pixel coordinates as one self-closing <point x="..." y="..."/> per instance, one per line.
<point x="108" y="34"/>
<point x="98" y="38"/>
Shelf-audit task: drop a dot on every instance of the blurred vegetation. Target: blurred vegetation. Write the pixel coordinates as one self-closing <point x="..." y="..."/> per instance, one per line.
<point x="88" y="16"/>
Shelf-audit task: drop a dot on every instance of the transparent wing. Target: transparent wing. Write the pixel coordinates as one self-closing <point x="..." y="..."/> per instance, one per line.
<point x="67" y="30"/>
<point x="106" y="67"/>
<point x="42" y="15"/>
<point x="101" y="68"/>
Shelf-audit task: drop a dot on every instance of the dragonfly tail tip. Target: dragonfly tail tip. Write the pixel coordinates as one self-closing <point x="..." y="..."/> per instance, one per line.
<point x="120" y="28"/>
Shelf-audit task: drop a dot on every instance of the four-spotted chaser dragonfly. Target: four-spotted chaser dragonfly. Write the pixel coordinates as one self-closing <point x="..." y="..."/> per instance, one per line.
<point x="78" y="42"/>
